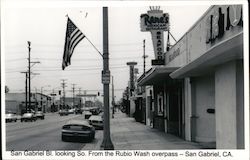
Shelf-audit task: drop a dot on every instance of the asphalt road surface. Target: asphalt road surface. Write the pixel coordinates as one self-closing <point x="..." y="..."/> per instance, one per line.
<point x="41" y="134"/>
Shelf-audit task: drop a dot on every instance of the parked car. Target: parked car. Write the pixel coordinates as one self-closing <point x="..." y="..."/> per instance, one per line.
<point x="10" y="117"/>
<point x="95" y="110"/>
<point x="78" y="111"/>
<point x="79" y="130"/>
<point x="71" y="111"/>
<point x="87" y="114"/>
<point x="63" y="112"/>
<point x="96" y="121"/>
<point x="39" y="114"/>
<point x="28" y="117"/>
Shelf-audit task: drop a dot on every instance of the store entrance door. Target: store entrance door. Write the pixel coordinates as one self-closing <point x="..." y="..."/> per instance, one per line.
<point x="175" y="110"/>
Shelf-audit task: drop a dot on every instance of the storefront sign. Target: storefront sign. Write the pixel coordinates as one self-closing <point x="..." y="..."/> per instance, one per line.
<point x="156" y="22"/>
<point x="175" y="54"/>
<point x="219" y="22"/>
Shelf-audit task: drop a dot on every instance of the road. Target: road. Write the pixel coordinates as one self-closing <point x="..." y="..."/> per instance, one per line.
<point x="42" y="134"/>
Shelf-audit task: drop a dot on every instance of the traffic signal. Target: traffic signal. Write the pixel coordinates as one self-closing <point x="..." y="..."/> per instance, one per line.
<point x="59" y="92"/>
<point x="98" y="93"/>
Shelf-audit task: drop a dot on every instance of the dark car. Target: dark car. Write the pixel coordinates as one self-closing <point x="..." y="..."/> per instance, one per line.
<point x="39" y="114"/>
<point x="10" y="117"/>
<point x="79" y="130"/>
<point x="28" y="117"/>
<point x="63" y="112"/>
<point x="78" y="111"/>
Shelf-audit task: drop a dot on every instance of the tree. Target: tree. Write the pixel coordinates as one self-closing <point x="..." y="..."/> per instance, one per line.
<point x="7" y="89"/>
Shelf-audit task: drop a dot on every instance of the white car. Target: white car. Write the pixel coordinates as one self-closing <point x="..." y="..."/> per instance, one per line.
<point x="96" y="121"/>
<point x="71" y="111"/>
<point x="9" y="117"/>
<point x="87" y="114"/>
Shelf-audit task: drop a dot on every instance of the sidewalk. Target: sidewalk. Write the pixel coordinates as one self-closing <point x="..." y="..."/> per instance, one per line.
<point x="127" y="134"/>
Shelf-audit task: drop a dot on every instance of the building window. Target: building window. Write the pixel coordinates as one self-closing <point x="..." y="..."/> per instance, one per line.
<point x="160" y="103"/>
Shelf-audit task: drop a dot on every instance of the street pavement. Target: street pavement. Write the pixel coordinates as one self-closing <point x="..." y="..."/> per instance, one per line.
<point x="127" y="134"/>
<point x="40" y="135"/>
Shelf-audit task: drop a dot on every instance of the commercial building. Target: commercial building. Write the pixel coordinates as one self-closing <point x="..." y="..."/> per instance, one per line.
<point x="15" y="102"/>
<point x="199" y="93"/>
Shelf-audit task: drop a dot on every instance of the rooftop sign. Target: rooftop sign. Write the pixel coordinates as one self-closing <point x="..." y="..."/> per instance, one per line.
<point x="155" y="21"/>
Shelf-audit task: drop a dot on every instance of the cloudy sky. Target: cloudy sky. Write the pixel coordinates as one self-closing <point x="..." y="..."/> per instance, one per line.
<point x="44" y="24"/>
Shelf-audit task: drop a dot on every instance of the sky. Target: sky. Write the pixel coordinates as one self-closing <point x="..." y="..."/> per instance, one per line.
<point x="44" y="25"/>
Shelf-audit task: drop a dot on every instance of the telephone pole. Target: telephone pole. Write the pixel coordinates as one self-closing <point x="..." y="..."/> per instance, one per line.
<point x="63" y="86"/>
<point x="26" y="90"/>
<point x="29" y="48"/>
<point x="106" y="143"/>
<point x="113" y="98"/>
<point x="73" y="88"/>
<point x="80" y="98"/>
<point x="29" y="73"/>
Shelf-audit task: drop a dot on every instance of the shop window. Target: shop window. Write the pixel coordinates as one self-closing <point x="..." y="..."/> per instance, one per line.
<point x="160" y="103"/>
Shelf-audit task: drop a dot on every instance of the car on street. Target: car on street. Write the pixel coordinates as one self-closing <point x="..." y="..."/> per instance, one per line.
<point x="10" y="117"/>
<point x="96" y="121"/>
<point x="78" y="111"/>
<point x="63" y="112"/>
<point x="79" y="130"/>
<point x="95" y="110"/>
<point x="39" y="114"/>
<point x="28" y="117"/>
<point x="87" y="114"/>
<point x="71" y="111"/>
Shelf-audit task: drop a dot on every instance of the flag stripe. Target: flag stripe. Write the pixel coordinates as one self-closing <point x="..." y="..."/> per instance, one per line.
<point x="73" y="47"/>
<point x="74" y="39"/>
<point x="73" y="33"/>
<point x="75" y="42"/>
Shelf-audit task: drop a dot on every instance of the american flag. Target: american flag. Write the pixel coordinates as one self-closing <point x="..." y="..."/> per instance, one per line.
<point x="73" y="37"/>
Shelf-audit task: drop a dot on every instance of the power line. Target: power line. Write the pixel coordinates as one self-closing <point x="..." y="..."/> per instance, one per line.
<point x="75" y="69"/>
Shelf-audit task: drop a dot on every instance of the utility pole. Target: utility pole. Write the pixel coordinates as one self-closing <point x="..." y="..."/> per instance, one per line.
<point x="144" y="58"/>
<point x="63" y="86"/>
<point x="80" y="98"/>
<point x="113" y="98"/>
<point x="73" y="94"/>
<point x="26" y="91"/>
<point x="29" y="48"/>
<point x="29" y="73"/>
<point x="106" y="143"/>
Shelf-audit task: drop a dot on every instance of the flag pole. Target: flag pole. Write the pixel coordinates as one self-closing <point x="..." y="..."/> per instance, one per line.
<point x="93" y="46"/>
<point x="89" y="40"/>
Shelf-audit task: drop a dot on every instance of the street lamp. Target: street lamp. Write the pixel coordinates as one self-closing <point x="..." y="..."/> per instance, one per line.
<point x="42" y="106"/>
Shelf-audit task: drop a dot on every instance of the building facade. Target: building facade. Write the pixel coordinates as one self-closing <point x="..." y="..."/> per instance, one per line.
<point x="15" y="102"/>
<point x="199" y="93"/>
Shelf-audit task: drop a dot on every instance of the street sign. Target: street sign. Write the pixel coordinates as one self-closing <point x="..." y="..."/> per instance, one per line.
<point x="106" y="77"/>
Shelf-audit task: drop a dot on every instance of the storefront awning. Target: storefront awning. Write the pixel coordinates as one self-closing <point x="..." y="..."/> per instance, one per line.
<point x="156" y="75"/>
<point x="230" y="49"/>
